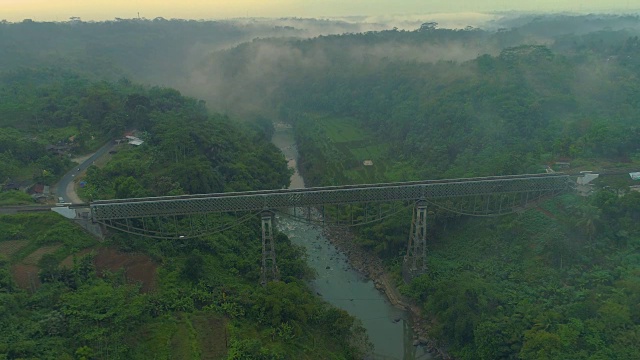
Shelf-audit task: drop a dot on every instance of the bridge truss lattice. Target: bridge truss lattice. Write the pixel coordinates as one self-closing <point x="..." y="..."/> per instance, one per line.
<point x="487" y="196"/>
<point x="192" y="216"/>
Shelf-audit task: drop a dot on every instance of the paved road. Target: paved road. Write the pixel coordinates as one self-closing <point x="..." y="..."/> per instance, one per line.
<point x="64" y="188"/>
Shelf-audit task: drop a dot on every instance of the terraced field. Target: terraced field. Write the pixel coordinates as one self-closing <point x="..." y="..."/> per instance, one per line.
<point x="178" y="335"/>
<point x="49" y="234"/>
<point x="8" y="248"/>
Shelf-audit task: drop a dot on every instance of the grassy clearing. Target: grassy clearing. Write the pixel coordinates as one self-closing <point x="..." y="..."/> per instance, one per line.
<point x="155" y="338"/>
<point x="181" y="341"/>
<point x="348" y="144"/>
<point x="26" y="238"/>
<point x="183" y="336"/>
<point x="377" y="151"/>
<point x="340" y="130"/>
<point x="212" y="335"/>
<point x="54" y="135"/>
<point x="15" y="198"/>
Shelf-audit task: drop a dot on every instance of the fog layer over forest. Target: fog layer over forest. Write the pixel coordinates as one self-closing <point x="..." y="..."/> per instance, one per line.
<point x="187" y="54"/>
<point x="370" y="100"/>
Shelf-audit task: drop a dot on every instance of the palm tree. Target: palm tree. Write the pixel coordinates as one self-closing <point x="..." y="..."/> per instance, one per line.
<point x="588" y="220"/>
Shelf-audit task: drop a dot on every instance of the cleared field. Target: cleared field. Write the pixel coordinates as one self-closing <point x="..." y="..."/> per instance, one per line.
<point x="138" y="268"/>
<point x="15" y="198"/>
<point x="10" y="247"/>
<point x="343" y="144"/>
<point x="342" y="130"/>
<point x="26" y="276"/>
<point x="370" y="152"/>
<point x="356" y="144"/>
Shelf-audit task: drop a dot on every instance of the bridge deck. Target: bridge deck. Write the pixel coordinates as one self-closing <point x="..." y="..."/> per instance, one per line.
<point x="367" y="193"/>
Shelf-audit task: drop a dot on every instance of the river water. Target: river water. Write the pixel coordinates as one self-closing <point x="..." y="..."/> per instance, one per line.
<point x="388" y="327"/>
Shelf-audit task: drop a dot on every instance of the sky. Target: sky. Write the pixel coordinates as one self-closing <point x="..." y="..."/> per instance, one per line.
<point x="62" y="10"/>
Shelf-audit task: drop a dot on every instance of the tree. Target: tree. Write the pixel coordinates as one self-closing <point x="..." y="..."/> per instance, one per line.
<point x="428" y="26"/>
<point x="541" y="345"/>
<point x="128" y="187"/>
<point x="588" y="220"/>
<point x="194" y="266"/>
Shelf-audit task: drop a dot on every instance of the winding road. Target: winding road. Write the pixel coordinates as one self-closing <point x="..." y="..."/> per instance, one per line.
<point x="64" y="188"/>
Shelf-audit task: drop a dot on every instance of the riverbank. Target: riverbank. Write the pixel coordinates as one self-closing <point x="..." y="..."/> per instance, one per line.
<point x="388" y="326"/>
<point x="371" y="267"/>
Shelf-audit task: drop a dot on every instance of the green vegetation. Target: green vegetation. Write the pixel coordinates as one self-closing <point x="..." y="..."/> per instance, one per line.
<point x="333" y="151"/>
<point x="64" y="296"/>
<point x="15" y="197"/>
<point x="557" y="282"/>
<point x="206" y="302"/>
<point x="489" y="116"/>
<point x="560" y="282"/>
<point x="42" y="230"/>
<point x="45" y="117"/>
<point x="94" y="113"/>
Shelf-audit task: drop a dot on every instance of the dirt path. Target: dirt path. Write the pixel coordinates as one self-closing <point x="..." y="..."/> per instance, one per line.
<point x="72" y="195"/>
<point x="34" y="257"/>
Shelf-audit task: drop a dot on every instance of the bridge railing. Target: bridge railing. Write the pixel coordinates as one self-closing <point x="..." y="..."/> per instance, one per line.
<point x="538" y="184"/>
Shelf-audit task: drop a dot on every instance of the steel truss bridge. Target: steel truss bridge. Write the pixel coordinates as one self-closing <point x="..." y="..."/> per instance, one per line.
<point x="192" y="216"/>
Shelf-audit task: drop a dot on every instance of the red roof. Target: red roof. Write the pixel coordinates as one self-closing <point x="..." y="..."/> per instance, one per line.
<point x="37" y="189"/>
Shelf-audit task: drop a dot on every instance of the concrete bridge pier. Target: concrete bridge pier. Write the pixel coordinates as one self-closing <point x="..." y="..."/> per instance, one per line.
<point x="269" y="267"/>
<point x="415" y="262"/>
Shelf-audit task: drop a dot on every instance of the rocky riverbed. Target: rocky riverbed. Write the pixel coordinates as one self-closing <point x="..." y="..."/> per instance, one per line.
<point x="370" y="266"/>
<point x="355" y="280"/>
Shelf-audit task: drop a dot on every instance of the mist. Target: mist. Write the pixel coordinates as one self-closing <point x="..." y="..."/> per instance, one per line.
<point x="240" y="66"/>
<point x="244" y="79"/>
<point x="248" y="86"/>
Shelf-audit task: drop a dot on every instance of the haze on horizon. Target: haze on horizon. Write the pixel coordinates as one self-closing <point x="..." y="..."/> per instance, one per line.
<point x="62" y="10"/>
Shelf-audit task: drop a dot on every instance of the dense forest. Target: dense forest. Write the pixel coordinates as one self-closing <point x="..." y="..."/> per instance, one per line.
<point x="505" y="113"/>
<point x="158" y="51"/>
<point x="40" y="108"/>
<point x="559" y="281"/>
<point x="194" y="299"/>
<point x="525" y="95"/>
